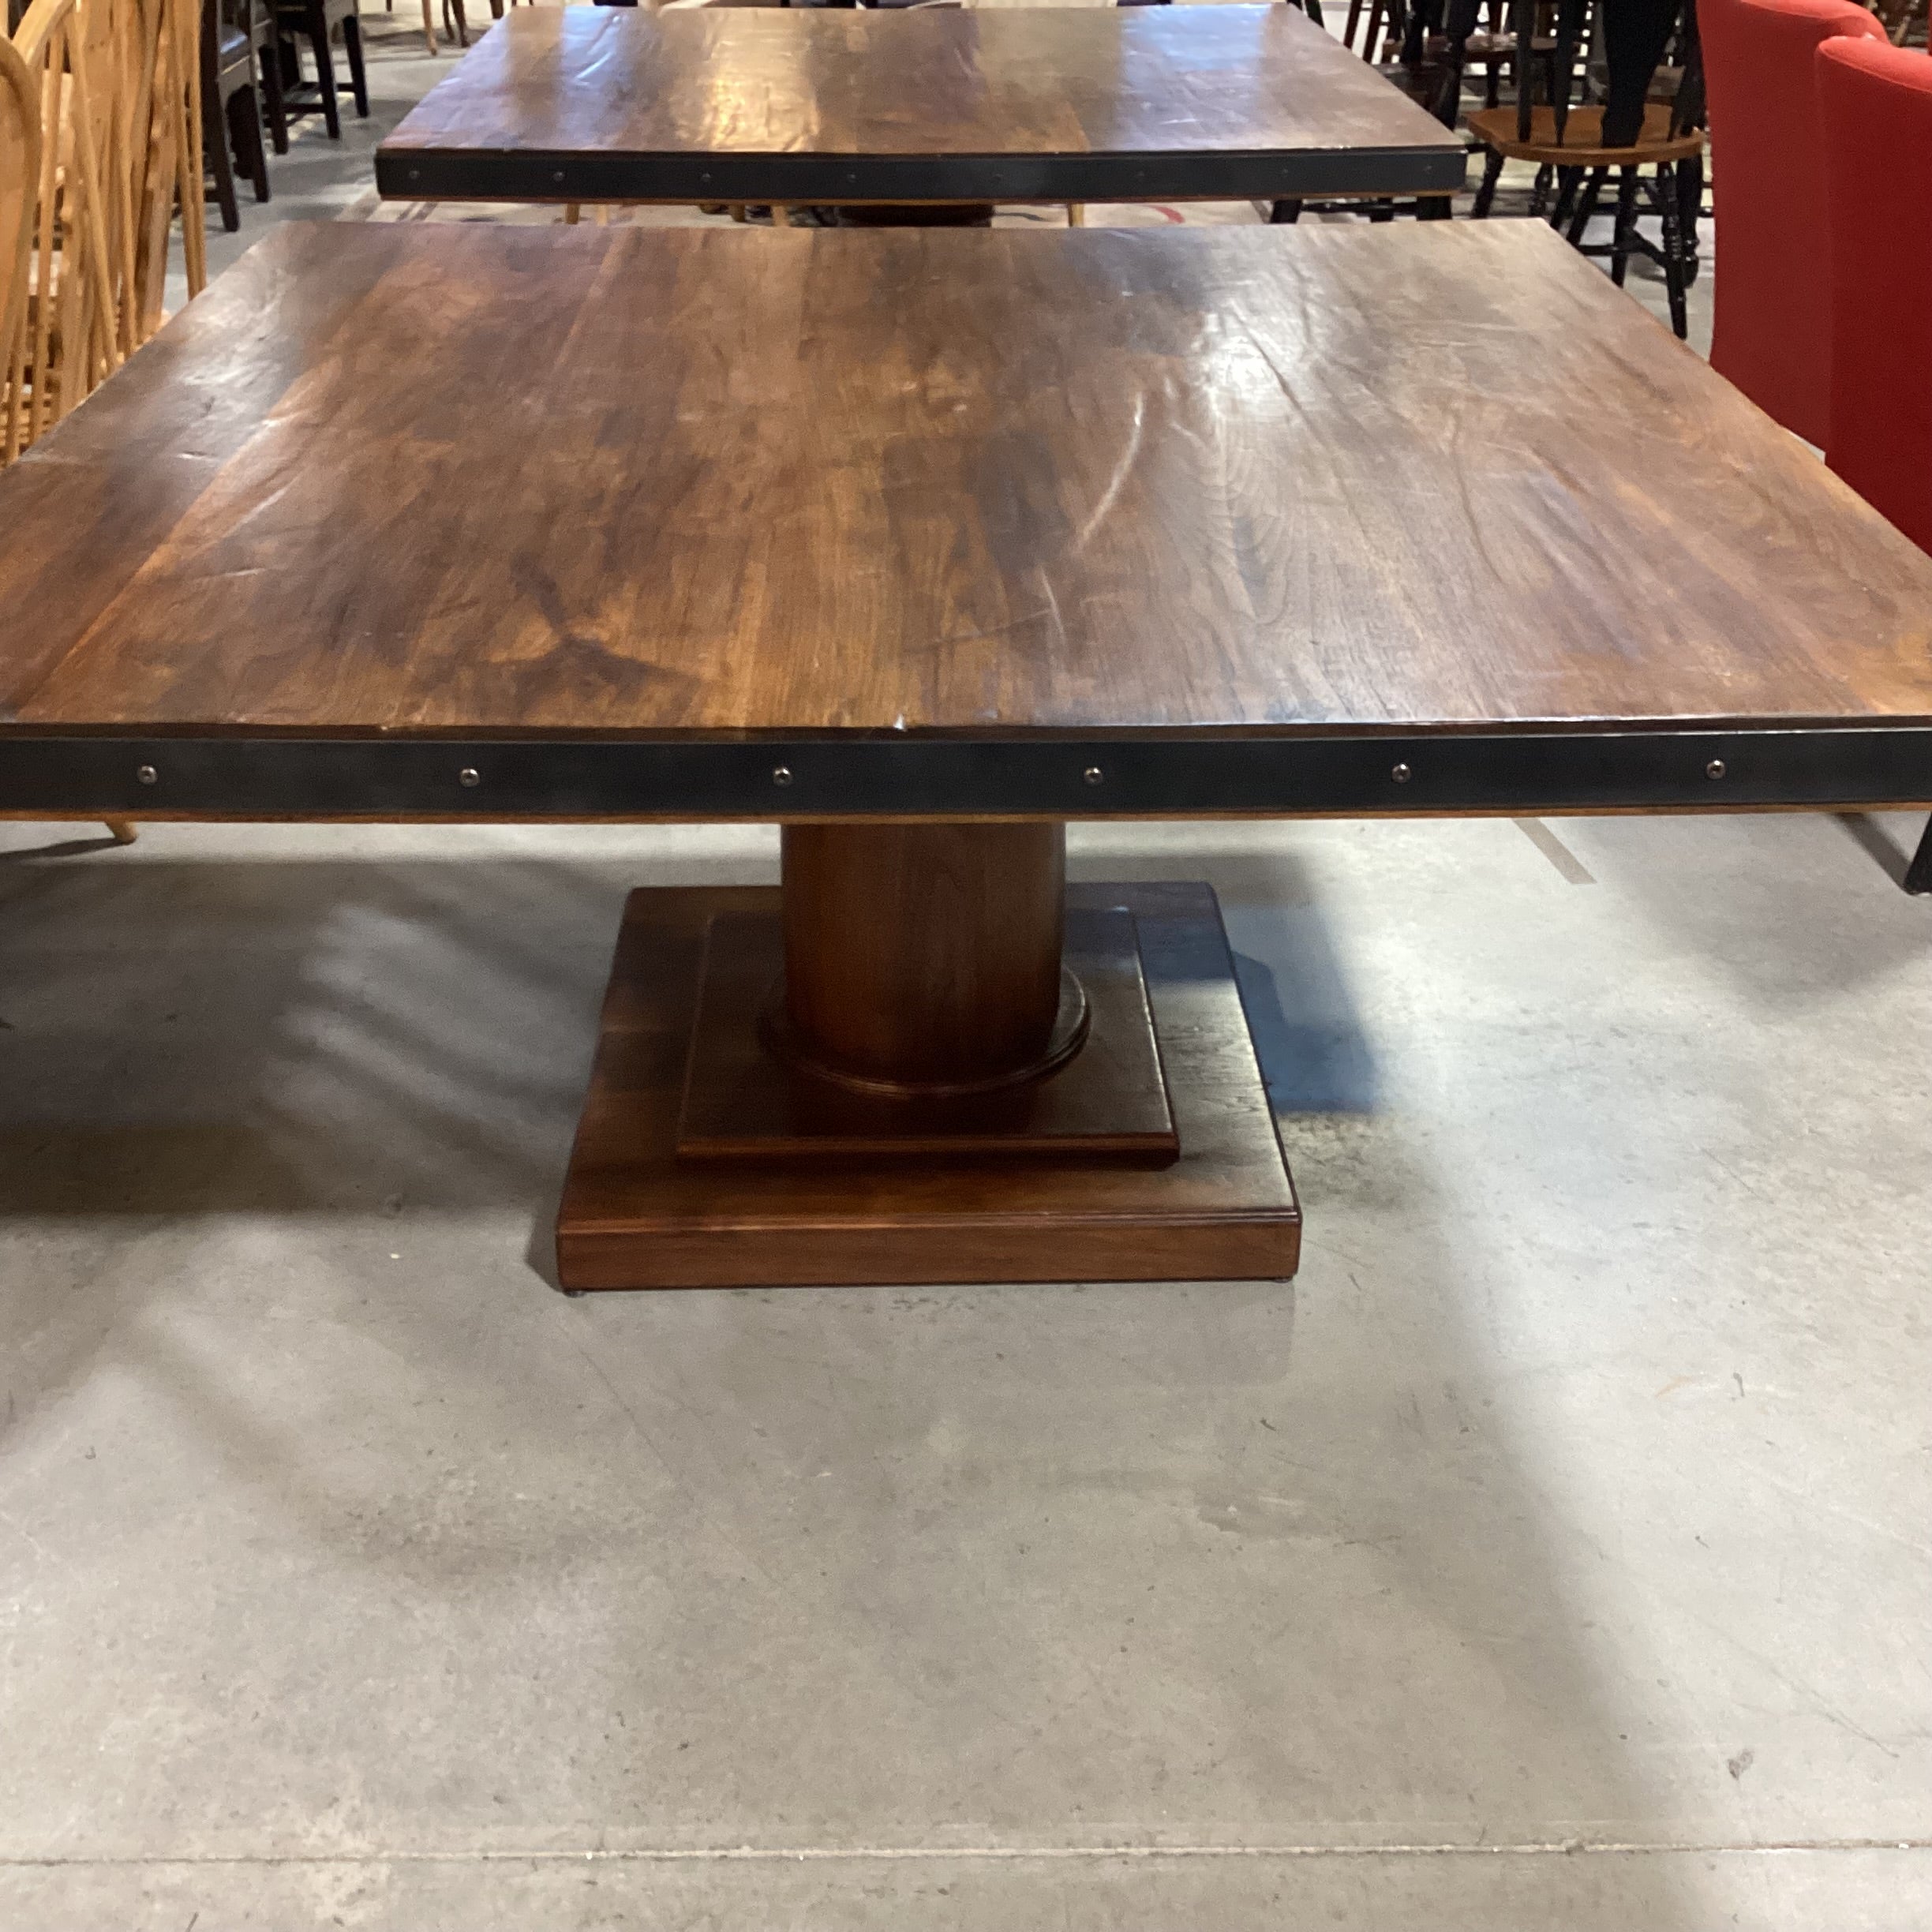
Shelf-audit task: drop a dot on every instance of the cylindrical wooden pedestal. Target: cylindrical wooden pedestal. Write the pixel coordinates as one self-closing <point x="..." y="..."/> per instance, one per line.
<point x="926" y="958"/>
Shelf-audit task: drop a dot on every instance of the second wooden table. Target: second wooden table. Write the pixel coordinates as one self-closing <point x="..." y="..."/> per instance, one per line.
<point x="786" y="105"/>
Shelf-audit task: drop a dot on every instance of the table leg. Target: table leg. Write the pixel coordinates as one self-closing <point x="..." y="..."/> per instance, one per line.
<point x="1919" y="874"/>
<point x="924" y="1060"/>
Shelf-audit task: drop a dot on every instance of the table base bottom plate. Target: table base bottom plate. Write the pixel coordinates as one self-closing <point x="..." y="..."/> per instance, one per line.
<point x="637" y="1215"/>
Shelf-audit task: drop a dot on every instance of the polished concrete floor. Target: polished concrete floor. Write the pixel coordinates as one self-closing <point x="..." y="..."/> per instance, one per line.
<point x="1552" y="1553"/>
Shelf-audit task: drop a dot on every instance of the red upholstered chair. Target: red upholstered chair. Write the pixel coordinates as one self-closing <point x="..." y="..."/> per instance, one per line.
<point x="1877" y="105"/>
<point x="1877" y="101"/>
<point x="1772" y="335"/>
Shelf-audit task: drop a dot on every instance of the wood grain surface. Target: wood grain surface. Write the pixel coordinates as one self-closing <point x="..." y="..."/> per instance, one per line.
<point x="567" y="81"/>
<point x="659" y="482"/>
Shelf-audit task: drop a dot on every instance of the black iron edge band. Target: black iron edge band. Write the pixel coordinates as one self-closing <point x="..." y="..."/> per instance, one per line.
<point x="1094" y="778"/>
<point x="517" y="175"/>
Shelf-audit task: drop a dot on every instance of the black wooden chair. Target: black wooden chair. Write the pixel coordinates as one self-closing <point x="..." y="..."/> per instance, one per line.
<point x="230" y="108"/>
<point x="1579" y="148"/>
<point x="317" y="20"/>
<point x="1439" y="41"/>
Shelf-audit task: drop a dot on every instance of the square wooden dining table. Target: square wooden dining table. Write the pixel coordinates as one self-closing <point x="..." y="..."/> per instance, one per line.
<point x="785" y="105"/>
<point x="923" y="543"/>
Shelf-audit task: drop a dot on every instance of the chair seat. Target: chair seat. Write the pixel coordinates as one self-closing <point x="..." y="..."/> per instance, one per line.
<point x="1581" y="145"/>
<point x="1485" y="47"/>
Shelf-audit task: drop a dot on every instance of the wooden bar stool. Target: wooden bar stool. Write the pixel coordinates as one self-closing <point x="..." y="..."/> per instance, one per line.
<point x="231" y="116"/>
<point x="317" y="20"/>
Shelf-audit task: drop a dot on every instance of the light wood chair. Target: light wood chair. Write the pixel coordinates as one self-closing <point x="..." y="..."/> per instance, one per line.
<point x="67" y="336"/>
<point x="112" y="87"/>
<point x="20" y="168"/>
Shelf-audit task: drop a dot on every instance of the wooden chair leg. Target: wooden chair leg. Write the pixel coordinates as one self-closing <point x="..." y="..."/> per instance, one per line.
<point x="1689" y="205"/>
<point x="358" y="73"/>
<point x="573" y="213"/>
<point x="1568" y="181"/>
<point x="122" y="830"/>
<point x="268" y="64"/>
<point x="1625" y="222"/>
<point x="1919" y="874"/>
<point x="1284" y="214"/>
<point x="1587" y="204"/>
<point x="244" y="123"/>
<point x="325" y="69"/>
<point x="215" y="140"/>
<point x="1540" y="191"/>
<point x="1076" y="214"/>
<point x="1665" y="186"/>
<point x="1485" y="195"/>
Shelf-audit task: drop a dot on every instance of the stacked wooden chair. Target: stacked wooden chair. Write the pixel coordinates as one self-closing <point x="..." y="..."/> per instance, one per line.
<point x="115" y="91"/>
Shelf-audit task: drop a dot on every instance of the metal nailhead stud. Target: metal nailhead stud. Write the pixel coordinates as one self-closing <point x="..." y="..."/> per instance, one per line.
<point x="1715" y="769"/>
<point x="1402" y="774"/>
<point x="782" y="775"/>
<point x="469" y="777"/>
<point x="1093" y="774"/>
<point x="148" y="775"/>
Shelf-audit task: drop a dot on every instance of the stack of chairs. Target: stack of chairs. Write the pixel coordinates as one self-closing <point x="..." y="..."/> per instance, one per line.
<point x="107" y="94"/>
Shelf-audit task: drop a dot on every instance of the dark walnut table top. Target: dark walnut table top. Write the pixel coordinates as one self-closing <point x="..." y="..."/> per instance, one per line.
<point x="1058" y="104"/>
<point x="1210" y="486"/>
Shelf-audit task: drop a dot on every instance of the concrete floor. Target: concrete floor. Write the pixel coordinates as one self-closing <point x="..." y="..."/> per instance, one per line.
<point x="1552" y="1553"/>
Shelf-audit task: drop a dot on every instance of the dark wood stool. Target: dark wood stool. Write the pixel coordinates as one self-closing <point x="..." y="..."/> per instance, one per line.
<point x="318" y="20"/>
<point x="230" y="108"/>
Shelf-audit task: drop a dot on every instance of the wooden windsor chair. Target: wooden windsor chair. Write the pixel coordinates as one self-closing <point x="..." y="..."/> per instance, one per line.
<point x="1626" y="134"/>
